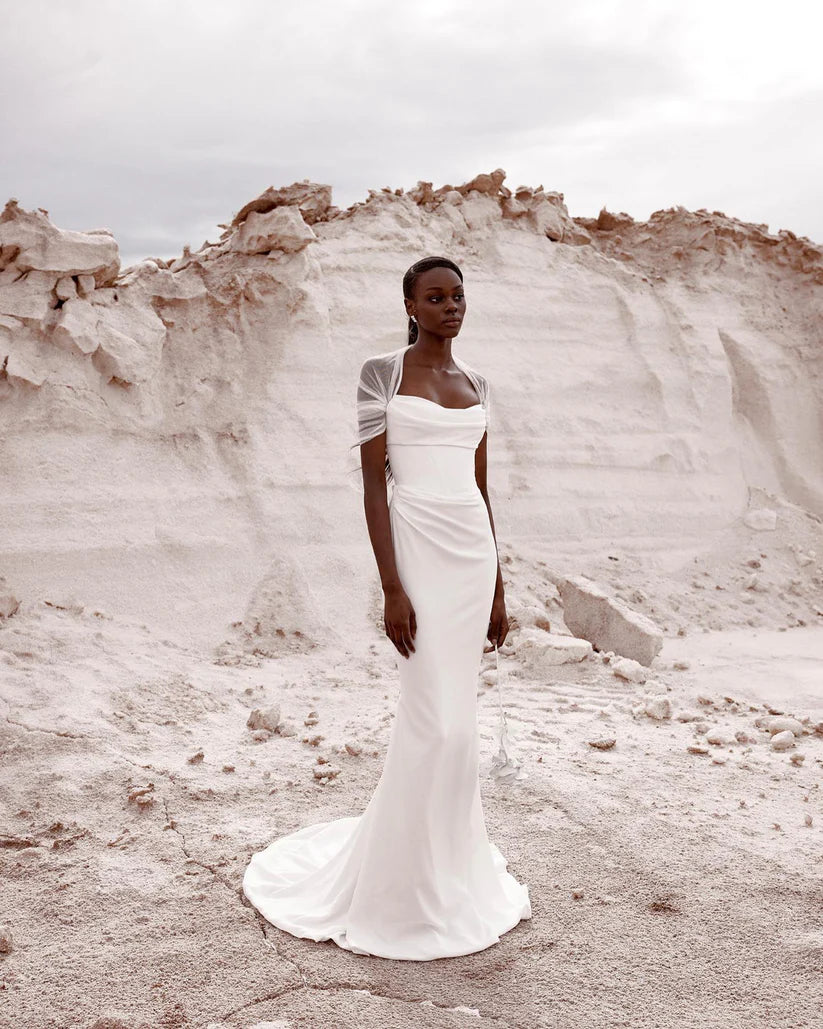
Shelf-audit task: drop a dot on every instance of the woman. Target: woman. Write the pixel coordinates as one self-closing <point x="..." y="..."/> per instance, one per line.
<point x="415" y="877"/>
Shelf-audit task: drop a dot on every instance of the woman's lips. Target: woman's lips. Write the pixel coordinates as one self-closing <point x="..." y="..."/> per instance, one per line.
<point x="452" y="321"/>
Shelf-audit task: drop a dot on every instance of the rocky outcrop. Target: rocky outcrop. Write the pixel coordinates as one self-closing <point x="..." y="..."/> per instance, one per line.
<point x="194" y="413"/>
<point x="30" y="243"/>
<point x="62" y="290"/>
<point x="676" y="241"/>
<point x="311" y="199"/>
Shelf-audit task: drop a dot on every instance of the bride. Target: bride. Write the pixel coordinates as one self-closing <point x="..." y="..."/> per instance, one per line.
<point x="415" y="876"/>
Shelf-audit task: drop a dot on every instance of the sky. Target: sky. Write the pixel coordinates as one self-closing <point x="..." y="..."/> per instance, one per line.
<point x="159" y="119"/>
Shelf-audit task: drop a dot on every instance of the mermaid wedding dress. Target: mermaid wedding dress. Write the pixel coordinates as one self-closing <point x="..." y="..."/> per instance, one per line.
<point x="415" y="876"/>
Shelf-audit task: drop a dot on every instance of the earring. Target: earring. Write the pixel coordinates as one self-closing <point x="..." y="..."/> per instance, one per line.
<point x="413" y="318"/>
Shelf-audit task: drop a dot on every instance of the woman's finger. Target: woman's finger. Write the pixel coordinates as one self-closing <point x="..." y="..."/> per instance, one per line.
<point x="398" y="640"/>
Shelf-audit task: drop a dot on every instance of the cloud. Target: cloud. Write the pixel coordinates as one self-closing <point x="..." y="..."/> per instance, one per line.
<point x="160" y="120"/>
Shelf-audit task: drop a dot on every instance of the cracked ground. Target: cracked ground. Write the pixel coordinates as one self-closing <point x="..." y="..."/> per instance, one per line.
<point x="667" y="889"/>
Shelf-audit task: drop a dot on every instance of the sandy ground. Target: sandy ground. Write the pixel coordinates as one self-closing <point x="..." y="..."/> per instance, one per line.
<point x="669" y="888"/>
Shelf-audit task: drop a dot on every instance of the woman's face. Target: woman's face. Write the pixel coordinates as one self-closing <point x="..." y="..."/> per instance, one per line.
<point x="439" y="304"/>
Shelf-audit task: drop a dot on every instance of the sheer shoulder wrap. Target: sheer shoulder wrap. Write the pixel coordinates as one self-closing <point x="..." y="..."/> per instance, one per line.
<point x="377" y="383"/>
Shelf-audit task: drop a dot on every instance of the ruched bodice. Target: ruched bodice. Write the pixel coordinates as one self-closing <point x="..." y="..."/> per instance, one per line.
<point x="381" y="378"/>
<point x="430" y="447"/>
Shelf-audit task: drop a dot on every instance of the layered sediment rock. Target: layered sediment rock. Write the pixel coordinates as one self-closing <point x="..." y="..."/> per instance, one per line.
<point x="192" y="415"/>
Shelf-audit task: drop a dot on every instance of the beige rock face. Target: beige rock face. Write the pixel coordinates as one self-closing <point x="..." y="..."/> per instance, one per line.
<point x="280" y="229"/>
<point x="195" y="413"/>
<point x="312" y="201"/>
<point x="37" y="245"/>
<point x="76" y="326"/>
<point x="25" y="295"/>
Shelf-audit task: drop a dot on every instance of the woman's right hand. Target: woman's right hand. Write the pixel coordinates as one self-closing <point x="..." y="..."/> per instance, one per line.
<point x="399" y="619"/>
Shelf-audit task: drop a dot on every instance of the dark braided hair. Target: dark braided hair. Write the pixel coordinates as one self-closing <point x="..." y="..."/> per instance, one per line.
<point x="410" y="278"/>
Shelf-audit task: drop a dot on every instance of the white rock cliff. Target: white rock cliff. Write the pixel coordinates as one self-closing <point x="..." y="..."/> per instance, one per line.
<point x="174" y="433"/>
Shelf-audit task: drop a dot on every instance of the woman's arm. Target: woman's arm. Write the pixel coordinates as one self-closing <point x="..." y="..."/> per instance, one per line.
<point x="498" y="621"/>
<point x="398" y="615"/>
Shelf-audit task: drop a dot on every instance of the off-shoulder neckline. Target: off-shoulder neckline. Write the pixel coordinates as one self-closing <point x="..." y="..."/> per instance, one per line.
<point x="460" y="364"/>
<point x="414" y="396"/>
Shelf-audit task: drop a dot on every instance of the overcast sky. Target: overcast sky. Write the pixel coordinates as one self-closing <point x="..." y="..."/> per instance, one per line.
<point x="159" y="119"/>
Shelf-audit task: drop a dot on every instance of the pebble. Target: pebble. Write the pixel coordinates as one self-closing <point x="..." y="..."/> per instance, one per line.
<point x="797" y="759"/>
<point x="687" y="716"/>
<point x="659" y="707"/>
<point x="354" y="749"/>
<point x="326" y="772"/>
<point x="783" y="740"/>
<point x="286" y="729"/>
<point x="577" y="894"/>
<point x="602" y="744"/>
<point x="628" y="669"/>
<point x="782" y="723"/>
<point x="681" y="666"/>
<point x="720" y="738"/>
<point x="264" y="718"/>
<point x="312" y="718"/>
<point x="695" y="748"/>
<point x="808" y="821"/>
<point x="7" y="944"/>
<point x="142" y="795"/>
<point x="195" y="759"/>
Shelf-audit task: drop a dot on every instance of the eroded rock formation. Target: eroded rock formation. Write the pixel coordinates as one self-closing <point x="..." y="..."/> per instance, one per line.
<point x="186" y="421"/>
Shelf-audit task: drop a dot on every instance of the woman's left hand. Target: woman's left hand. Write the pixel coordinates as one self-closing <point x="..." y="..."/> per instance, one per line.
<point x="498" y="623"/>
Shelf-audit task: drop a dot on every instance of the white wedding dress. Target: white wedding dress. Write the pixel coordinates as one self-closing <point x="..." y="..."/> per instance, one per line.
<point x="415" y="876"/>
